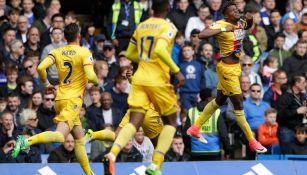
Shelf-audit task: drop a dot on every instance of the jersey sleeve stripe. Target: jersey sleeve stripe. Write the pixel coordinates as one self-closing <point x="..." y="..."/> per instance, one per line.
<point x="164" y="39"/>
<point x="52" y="57"/>
<point x="133" y="40"/>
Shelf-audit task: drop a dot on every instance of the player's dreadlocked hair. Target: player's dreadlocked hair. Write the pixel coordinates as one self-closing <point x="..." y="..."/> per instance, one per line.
<point x="226" y="5"/>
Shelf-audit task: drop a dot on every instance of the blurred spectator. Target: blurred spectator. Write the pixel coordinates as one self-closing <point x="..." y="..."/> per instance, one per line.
<point x="95" y="107"/>
<point x="97" y="47"/>
<point x="126" y="15"/>
<point x="303" y="22"/>
<point x="245" y="83"/>
<point x="251" y="47"/>
<point x="267" y="7"/>
<point x="65" y="153"/>
<point x="214" y="130"/>
<point x="297" y="63"/>
<point x="254" y="107"/>
<point x="9" y="34"/>
<point x="299" y="146"/>
<point x="195" y="41"/>
<point x="16" y="56"/>
<point x="123" y="72"/>
<point x="128" y="154"/>
<point x="109" y="114"/>
<point x="193" y="72"/>
<point x="180" y="16"/>
<point x="31" y="71"/>
<point x="88" y="34"/>
<point x="102" y="69"/>
<point x="11" y="85"/>
<point x="273" y="29"/>
<point x="275" y="90"/>
<point x="247" y="69"/>
<point x="27" y="6"/>
<point x="259" y="32"/>
<point x="55" y="4"/>
<point x="32" y="43"/>
<point x="119" y="95"/>
<point x="295" y="8"/>
<point x="291" y="111"/>
<point x="270" y="65"/>
<point x="39" y="9"/>
<point x="12" y="19"/>
<point x="35" y="101"/>
<point x="44" y="23"/>
<point x="46" y="112"/>
<point x="13" y="106"/>
<point x="57" y="36"/>
<point x="15" y="4"/>
<point x="109" y="57"/>
<point x="57" y="21"/>
<point x="215" y="9"/>
<point x="8" y="131"/>
<point x="267" y="132"/>
<point x="177" y="152"/>
<point x="3" y="104"/>
<point x="197" y="22"/>
<point x="240" y="5"/>
<point x="26" y="90"/>
<point x="278" y="51"/>
<point x="123" y="61"/>
<point x="291" y="35"/>
<point x="209" y="62"/>
<point x="144" y="145"/>
<point x="176" y="50"/>
<point x="71" y="17"/>
<point x="4" y="8"/>
<point x="22" y="28"/>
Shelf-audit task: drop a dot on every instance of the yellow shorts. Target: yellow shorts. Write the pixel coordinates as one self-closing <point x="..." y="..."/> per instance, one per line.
<point x="152" y="124"/>
<point x="229" y="78"/>
<point x="68" y="111"/>
<point x="162" y="97"/>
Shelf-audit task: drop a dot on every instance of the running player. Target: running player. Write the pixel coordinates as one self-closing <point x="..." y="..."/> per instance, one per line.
<point x="75" y="68"/>
<point x="151" y="45"/>
<point x="229" y="33"/>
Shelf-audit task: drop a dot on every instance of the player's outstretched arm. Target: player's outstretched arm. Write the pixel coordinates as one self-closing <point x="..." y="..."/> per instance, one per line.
<point x="42" y="69"/>
<point x="206" y="33"/>
<point x="90" y="74"/>
<point x="132" y="51"/>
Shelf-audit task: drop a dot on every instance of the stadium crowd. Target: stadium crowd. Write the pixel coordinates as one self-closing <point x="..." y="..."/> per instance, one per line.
<point x="273" y="81"/>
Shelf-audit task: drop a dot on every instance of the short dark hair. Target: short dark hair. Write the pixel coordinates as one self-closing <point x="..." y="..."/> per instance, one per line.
<point x="57" y="15"/>
<point x="300" y="33"/>
<point x="255" y="84"/>
<point x="158" y="6"/>
<point x="300" y="129"/>
<point x="71" y="32"/>
<point x="226" y="5"/>
<point x="279" y="34"/>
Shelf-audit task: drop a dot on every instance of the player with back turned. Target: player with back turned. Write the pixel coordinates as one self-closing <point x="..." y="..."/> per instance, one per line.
<point x="151" y="46"/>
<point x="229" y="34"/>
<point x="75" y="68"/>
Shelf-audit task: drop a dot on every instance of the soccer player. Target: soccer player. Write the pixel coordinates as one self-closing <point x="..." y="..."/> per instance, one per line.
<point x="229" y="33"/>
<point x="75" y="69"/>
<point x="150" y="46"/>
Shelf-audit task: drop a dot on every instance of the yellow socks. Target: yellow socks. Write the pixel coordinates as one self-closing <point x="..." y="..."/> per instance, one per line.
<point x="104" y="135"/>
<point x="123" y="137"/>
<point x="241" y="120"/>
<point x="209" y="109"/>
<point x="46" y="137"/>
<point x="164" y="142"/>
<point x="82" y="156"/>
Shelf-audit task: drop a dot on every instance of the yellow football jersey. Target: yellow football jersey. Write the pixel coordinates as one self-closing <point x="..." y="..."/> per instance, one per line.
<point x="151" y="70"/>
<point x="230" y="42"/>
<point x="70" y="61"/>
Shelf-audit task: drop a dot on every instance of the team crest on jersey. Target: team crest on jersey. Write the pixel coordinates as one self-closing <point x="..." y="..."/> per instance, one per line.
<point x="170" y="34"/>
<point x="91" y="58"/>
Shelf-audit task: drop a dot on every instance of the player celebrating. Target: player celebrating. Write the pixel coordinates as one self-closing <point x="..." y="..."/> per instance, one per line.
<point x="151" y="45"/>
<point x="229" y="33"/>
<point x="75" y="69"/>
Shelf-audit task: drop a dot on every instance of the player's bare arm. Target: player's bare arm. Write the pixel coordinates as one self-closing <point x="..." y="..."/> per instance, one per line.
<point x="206" y="33"/>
